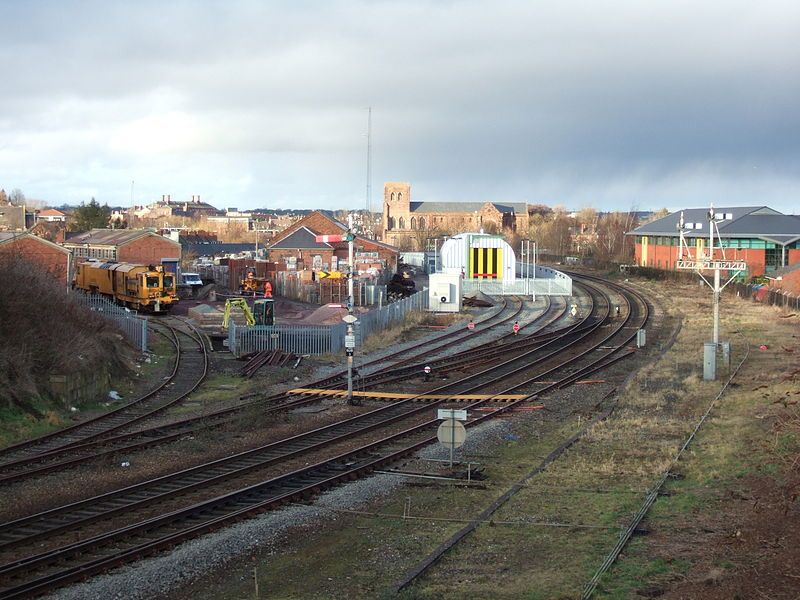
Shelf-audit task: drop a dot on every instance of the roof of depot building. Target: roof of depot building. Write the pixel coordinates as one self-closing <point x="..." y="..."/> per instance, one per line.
<point x="302" y="238"/>
<point x="111" y="237"/>
<point x="732" y="222"/>
<point x="10" y="236"/>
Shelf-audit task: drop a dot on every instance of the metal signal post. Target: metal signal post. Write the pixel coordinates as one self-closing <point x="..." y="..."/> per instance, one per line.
<point x="349" y="338"/>
<point x="714" y="260"/>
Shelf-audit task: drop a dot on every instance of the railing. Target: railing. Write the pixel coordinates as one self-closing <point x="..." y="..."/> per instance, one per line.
<point x="382" y="318"/>
<point x="548" y="282"/>
<point x="300" y="339"/>
<point x="320" y="339"/>
<point x="132" y="325"/>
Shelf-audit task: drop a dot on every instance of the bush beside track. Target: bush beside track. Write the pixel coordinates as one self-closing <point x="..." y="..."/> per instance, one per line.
<point x="44" y="333"/>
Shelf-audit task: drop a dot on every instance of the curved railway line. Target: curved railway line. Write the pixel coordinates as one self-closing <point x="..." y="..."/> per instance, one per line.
<point x="77" y="453"/>
<point x="519" y="366"/>
<point x="188" y="372"/>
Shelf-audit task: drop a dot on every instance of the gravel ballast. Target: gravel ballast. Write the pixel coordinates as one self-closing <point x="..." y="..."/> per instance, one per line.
<point x="162" y="575"/>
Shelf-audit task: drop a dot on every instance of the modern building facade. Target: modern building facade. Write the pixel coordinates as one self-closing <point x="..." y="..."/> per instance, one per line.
<point x="764" y="238"/>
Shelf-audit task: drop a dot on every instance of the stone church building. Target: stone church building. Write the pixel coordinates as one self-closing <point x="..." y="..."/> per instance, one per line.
<point x="407" y="224"/>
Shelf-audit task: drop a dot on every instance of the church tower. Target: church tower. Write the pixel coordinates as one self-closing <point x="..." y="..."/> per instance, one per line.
<point x="396" y="209"/>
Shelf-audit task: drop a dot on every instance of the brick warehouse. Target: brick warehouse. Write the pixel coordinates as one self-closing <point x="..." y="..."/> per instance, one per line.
<point x="296" y="247"/>
<point x="53" y="258"/>
<point x="765" y="239"/>
<point x="126" y="245"/>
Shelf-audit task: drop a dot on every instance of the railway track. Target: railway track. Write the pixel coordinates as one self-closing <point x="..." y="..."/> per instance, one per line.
<point x="73" y="561"/>
<point x="71" y="455"/>
<point x="189" y="370"/>
<point x="637" y="315"/>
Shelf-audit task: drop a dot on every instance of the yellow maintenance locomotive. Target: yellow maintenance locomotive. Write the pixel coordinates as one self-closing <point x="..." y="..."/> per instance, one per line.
<point x="143" y="287"/>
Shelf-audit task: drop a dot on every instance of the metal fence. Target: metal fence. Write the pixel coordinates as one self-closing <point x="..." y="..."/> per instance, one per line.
<point x="320" y="339"/>
<point x="382" y="318"/>
<point x="547" y="282"/>
<point x="132" y="325"/>
<point x="300" y="339"/>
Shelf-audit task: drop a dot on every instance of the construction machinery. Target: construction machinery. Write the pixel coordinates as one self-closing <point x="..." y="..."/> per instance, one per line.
<point x="262" y="313"/>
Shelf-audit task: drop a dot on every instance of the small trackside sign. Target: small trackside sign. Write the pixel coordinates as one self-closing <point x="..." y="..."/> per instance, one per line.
<point x="452" y="413"/>
<point x="349" y="341"/>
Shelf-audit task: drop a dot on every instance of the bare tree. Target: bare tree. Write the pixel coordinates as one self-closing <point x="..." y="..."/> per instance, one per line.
<point x="611" y="230"/>
<point x="16" y="197"/>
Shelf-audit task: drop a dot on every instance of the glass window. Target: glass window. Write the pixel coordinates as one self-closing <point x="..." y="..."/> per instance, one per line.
<point x="168" y="281"/>
<point x="152" y="282"/>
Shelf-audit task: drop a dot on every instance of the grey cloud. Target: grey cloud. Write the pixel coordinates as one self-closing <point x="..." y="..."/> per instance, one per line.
<point x="622" y="102"/>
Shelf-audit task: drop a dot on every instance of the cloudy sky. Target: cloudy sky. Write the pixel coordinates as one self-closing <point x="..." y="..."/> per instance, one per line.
<point x="615" y="105"/>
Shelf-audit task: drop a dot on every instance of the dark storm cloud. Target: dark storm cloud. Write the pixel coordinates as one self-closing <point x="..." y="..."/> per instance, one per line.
<point x="254" y="103"/>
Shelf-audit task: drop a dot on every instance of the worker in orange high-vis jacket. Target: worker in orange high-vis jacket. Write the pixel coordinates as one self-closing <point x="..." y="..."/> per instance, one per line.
<point x="267" y="289"/>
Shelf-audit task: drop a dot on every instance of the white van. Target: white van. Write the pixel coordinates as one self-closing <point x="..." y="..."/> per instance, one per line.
<point x="191" y="279"/>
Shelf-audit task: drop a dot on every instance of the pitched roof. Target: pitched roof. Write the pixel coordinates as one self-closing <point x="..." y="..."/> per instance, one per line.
<point x="738" y="222"/>
<point x="214" y="248"/>
<point x="10" y="236"/>
<point x="111" y="237"/>
<point x="462" y="207"/>
<point x="782" y="229"/>
<point x="51" y="212"/>
<point x="301" y="223"/>
<point x="302" y="238"/>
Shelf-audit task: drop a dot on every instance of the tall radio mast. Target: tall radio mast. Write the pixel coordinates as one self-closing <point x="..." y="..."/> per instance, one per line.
<point x="369" y="169"/>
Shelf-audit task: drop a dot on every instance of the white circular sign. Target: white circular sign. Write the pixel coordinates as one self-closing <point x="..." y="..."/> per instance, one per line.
<point x="451" y="433"/>
<point x="471" y="325"/>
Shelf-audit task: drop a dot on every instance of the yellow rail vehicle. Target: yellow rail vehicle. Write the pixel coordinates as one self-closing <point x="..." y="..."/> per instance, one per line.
<point x="143" y="287"/>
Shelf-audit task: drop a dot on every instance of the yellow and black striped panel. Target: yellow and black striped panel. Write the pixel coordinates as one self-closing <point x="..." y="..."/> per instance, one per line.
<point x="486" y="263"/>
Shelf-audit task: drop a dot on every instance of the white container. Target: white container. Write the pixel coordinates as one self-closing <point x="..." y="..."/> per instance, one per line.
<point x="444" y="292"/>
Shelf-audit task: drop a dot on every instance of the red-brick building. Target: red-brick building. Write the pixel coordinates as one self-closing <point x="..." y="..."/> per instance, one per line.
<point x="126" y="245"/>
<point x="786" y="279"/>
<point x="53" y="258"/>
<point x="296" y="247"/>
<point x="762" y="237"/>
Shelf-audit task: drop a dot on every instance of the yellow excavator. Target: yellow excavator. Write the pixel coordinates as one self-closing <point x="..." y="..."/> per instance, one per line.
<point x="262" y="312"/>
